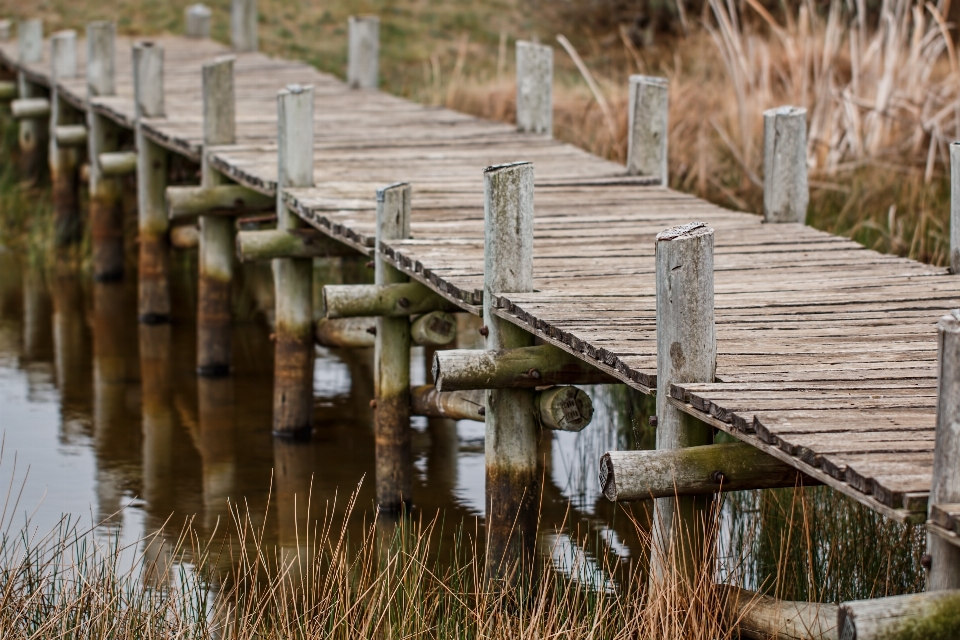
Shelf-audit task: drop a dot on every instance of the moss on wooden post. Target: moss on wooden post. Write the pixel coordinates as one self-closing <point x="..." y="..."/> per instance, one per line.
<point x="933" y="615"/>
<point x="293" y="277"/>
<point x="392" y="363"/>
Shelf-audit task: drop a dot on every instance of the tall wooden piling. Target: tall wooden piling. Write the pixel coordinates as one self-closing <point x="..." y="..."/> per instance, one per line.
<point x="106" y="197"/>
<point x="954" y="207"/>
<point x="686" y="352"/>
<point x="513" y="487"/>
<point x="153" y="304"/>
<point x="293" y="277"/>
<point x="363" y="52"/>
<point x="33" y="132"/>
<point x="534" y="88"/>
<point x="648" y="130"/>
<point x="243" y="25"/>
<point x="392" y="364"/>
<point x="785" y="189"/>
<point x="64" y="160"/>
<point x="198" y="21"/>
<point x="214" y="340"/>
<point x="944" y="571"/>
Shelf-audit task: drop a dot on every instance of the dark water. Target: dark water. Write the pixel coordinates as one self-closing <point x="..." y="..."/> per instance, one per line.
<point x="107" y="421"/>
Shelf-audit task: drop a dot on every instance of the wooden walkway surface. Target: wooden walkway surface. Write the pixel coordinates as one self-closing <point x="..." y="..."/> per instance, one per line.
<point x="827" y="351"/>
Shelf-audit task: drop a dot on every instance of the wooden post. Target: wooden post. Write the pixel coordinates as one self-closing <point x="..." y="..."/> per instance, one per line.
<point x="153" y="306"/>
<point x="33" y="132"/>
<point x="214" y="340"/>
<point x="363" y="52"/>
<point x="686" y="352"/>
<point x="392" y="363"/>
<point x="243" y="25"/>
<point x="648" y="131"/>
<point x="293" y="360"/>
<point x="534" y="88"/>
<point x="954" y="207"/>
<point x="513" y="486"/>
<point x="64" y="160"/>
<point x="106" y="197"/>
<point x="785" y="190"/>
<point x="944" y="571"/>
<point x="198" y="21"/>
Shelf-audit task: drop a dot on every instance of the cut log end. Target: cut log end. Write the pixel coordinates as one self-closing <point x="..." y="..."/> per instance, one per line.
<point x="437" y="328"/>
<point x="608" y="482"/>
<point x="565" y="409"/>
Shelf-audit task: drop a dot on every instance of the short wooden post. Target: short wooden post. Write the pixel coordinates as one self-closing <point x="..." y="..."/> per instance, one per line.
<point x="513" y="486"/>
<point x="198" y="21"/>
<point x="106" y="197"/>
<point x="954" y="207"/>
<point x="33" y="132"/>
<point x="785" y="190"/>
<point x="363" y="52"/>
<point x="153" y="306"/>
<point x="944" y="572"/>
<point x="686" y="352"/>
<point x="534" y="88"/>
<point x="648" y="132"/>
<point x="293" y="277"/>
<point x="243" y="25"/>
<point x="64" y="160"/>
<point x="392" y="363"/>
<point x="214" y="340"/>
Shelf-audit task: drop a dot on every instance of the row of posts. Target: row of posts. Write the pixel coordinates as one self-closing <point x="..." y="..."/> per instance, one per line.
<point x="511" y="372"/>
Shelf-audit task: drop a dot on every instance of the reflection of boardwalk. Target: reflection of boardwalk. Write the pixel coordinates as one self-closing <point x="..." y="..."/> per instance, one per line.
<point x="826" y="350"/>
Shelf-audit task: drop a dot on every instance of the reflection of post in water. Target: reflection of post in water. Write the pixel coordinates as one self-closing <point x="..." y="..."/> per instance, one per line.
<point x="37" y="311"/>
<point x="71" y="342"/>
<point x="218" y="433"/>
<point x="114" y="374"/>
<point x="293" y="475"/>
<point x="158" y="418"/>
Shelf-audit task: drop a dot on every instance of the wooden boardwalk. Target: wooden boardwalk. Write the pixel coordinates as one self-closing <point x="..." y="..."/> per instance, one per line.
<point x="826" y="350"/>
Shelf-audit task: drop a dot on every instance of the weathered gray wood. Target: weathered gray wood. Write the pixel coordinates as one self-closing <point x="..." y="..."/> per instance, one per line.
<point x="363" y="52"/>
<point x="512" y="489"/>
<point x="534" y="88"/>
<point x="268" y="244"/>
<point x="944" y="571"/>
<point x="564" y="408"/>
<point x="785" y="190"/>
<point x="692" y="471"/>
<point x="8" y="90"/>
<point x="392" y="362"/>
<point x="5" y="26"/>
<point x="648" y="130"/>
<point x="243" y="25"/>
<point x="425" y="400"/>
<point x="435" y="329"/>
<point x="955" y="207"/>
<point x="30" y="40"/>
<point x="520" y="368"/>
<point x="64" y="159"/>
<point x="30" y="108"/>
<point x="153" y="306"/>
<point x="106" y="192"/>
<point x="934" y="614"/>
<point x="217" y="200"/>
<point x="761" y="617"/>
<point x="346" y="333"/>
<point x="118" y="163"/>
<point x="686" y="352"/>
<point x="214" y="326"/>
<point x="197" y="17"/>
<point x="392" y="300"/>
<point x="293" y="277"/>
<point x="71" y="135"/>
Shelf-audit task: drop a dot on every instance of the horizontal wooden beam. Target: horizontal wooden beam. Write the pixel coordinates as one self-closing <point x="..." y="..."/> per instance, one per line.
<point x="526" y="367"/>
<point x="185" y="236"/>
<point x="120" y="163"/>
<point x="71" y="135"/>
<point x="8" y="90"/>
<point x="934" y="614"/>
<point x="642" y="475"/>
<point x="434" y="329"/>
<point x="425" y="400"/>
<point x="559" y="408"/>
<point x="390" y="300"/>
<point x="347" y="333"/>
<point x="30" y="108"/>
<point x="268" y="244"/>
<point x="225" y="200"/>
<point x="760" y="617"/>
